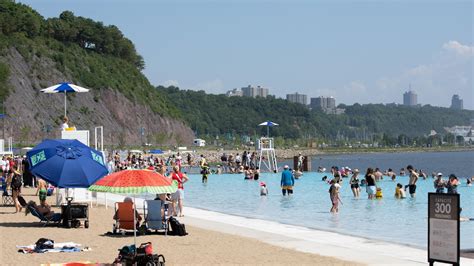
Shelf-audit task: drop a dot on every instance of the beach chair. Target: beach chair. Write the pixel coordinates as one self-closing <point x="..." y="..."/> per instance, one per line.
<point x="123" y="216"/>
<point x="55" y="219"/>
<point x="7" y="198"/>
<point x="153" y="218"/>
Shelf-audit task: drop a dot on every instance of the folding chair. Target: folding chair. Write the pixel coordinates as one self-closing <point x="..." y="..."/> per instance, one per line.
<point x="153" y="218"/>
<point x="55" y="219"/>
<point x="123" y="216"/>
<point x="7" y="198"/>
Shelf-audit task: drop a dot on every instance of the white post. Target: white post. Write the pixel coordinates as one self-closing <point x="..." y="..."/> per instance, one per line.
<point x="134" y="224"/>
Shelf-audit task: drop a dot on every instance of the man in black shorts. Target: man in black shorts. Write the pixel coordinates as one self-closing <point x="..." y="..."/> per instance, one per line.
<point x="412" y="181"/>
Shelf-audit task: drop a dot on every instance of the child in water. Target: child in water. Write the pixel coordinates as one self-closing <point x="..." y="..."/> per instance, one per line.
<point x="378" y="193"/>
<point x="399" y="192"/>
<point x="263" y="189"/>
<point x="205" y="172"/>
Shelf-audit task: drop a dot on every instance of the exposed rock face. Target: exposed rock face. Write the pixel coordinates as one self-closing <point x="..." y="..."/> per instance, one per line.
<point x="33" y="116"/>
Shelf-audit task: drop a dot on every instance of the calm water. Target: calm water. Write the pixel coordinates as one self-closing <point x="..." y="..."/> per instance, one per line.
<point x="402" y="221"/>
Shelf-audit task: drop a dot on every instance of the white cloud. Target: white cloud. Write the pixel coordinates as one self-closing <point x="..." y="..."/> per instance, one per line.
<point x="215" y="86"/>
<point x="459" y="49"/>
<point x="171" y="82"/>
<point x="450" y="72"/>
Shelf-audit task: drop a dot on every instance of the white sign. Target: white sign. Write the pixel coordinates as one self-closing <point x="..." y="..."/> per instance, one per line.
<point x="443" y="225"/>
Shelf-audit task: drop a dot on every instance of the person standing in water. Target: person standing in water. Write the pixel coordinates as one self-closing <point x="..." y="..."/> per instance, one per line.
<point x="334" y="195"/>
<point x="354" y="181"/>
<point x="412" y="181"/>
<point x="370" y="180"/>
<point x="287" y="181"/>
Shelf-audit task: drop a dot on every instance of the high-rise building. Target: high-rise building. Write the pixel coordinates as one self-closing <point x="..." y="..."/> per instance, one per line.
<point x="251" y="91"/>
<point x="326" y="104"/>
<point x="456" y="102"/>
<point x="410" y="98"/>
<point x="234" y="92"/>
<point x="297" y="98"/>
<point x="262" y="92"/>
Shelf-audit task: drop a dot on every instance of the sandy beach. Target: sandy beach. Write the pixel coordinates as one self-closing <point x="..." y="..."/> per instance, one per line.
<point x="200" y="247"/>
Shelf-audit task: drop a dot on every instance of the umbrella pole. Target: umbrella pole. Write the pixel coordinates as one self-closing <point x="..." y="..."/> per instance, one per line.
<point x="65" y="104"/>
<point x="268" y="131"/>
<point x="134" y="224"/>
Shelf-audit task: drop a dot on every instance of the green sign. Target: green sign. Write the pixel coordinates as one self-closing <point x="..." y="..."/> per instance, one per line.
<point x="96" y="157"/>
<point x="37" y="158"/>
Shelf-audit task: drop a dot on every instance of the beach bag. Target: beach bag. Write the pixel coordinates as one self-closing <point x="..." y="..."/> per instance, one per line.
<point x="22" y="201"/>
<point x="44" y="243"/>
<point x="177" y="228"/>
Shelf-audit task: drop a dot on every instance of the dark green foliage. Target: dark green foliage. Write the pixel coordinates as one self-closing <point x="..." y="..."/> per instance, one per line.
<point x="96" y="56"/>
<point x="213" y="115"/>
<point x="84" y="32"/>
<point x="4" y="87"/>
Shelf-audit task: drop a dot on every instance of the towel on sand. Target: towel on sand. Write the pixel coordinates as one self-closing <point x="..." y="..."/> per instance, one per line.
<point x="58" y="247"/>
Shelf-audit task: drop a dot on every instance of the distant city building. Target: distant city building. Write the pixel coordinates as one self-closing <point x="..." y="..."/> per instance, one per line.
<point x="326" y="104"/>
<point x="234" y="92"/>
<point x="410" y="98"/>
<point x="251" y="91"/>
<point x="297" y="98"/>
<point x="456" y="102"/>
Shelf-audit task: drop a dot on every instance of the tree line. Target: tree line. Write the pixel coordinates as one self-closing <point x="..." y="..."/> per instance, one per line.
<point x="219" y="115"/>
<point x="67" y="28"/>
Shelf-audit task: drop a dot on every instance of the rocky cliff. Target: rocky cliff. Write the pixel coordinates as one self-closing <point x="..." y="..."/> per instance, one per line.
<point x="33" y="116"/>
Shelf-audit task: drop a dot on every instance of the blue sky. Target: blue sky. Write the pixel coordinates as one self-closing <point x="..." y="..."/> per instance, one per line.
<point x="366" y="52"/>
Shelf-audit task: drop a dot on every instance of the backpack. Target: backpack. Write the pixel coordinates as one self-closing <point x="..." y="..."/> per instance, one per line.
<point x="44" y="243"/>
<point x="16" y="182"/>
<point x="177" y="228"/>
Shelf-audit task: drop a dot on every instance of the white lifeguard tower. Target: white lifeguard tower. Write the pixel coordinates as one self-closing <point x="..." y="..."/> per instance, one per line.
<point x="8" y="150"/>
<point x="266" y="154"/>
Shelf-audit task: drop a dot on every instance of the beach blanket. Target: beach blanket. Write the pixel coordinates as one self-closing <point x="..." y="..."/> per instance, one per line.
<point x="58" y="247"/>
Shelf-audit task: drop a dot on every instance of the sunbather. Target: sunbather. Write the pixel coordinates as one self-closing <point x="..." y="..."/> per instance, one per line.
<point x="43" y="209"/>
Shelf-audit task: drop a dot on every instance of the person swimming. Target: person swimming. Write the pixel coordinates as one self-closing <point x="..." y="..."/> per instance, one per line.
<point x="263" y="189"/>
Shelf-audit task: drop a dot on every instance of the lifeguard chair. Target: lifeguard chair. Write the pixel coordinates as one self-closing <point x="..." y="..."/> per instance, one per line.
<point x="266" y="152"/>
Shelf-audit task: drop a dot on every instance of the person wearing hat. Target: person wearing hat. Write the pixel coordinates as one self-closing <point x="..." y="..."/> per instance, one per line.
<point x="439" y="183"/>
<point x="287" y="181"/>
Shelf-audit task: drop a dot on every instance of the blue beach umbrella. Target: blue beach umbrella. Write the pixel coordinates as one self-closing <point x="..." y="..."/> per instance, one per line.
<point x="67" y="163"/>
<point x="268" y="124"/>
<point x="64" y="88"/>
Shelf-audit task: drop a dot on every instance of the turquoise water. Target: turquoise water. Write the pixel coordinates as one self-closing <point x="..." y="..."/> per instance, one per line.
<point x="401" y="221"/>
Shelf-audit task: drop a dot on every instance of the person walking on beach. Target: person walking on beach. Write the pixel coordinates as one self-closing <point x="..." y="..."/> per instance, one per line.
<point x="178" y="196"/>
<point x="354" y="181"/>
<point x="42" y="191"/>
<point x="370" y="181"/>
<point x="412" y="181"/>
<point x="287" y="181"/>
<point x="16" y="189"/>
<point x="334" y="195"/>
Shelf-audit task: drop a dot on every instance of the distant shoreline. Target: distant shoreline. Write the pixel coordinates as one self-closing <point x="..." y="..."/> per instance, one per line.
<point x="213" y="156"/>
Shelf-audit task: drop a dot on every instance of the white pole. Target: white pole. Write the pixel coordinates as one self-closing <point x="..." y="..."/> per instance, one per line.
<point x="134" y="225"/>
<point x="65" y="104"/>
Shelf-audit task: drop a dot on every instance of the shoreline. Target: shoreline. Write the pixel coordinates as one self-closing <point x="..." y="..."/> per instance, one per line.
<point x="320" y="242"/>
<point x="213" y="156"/>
